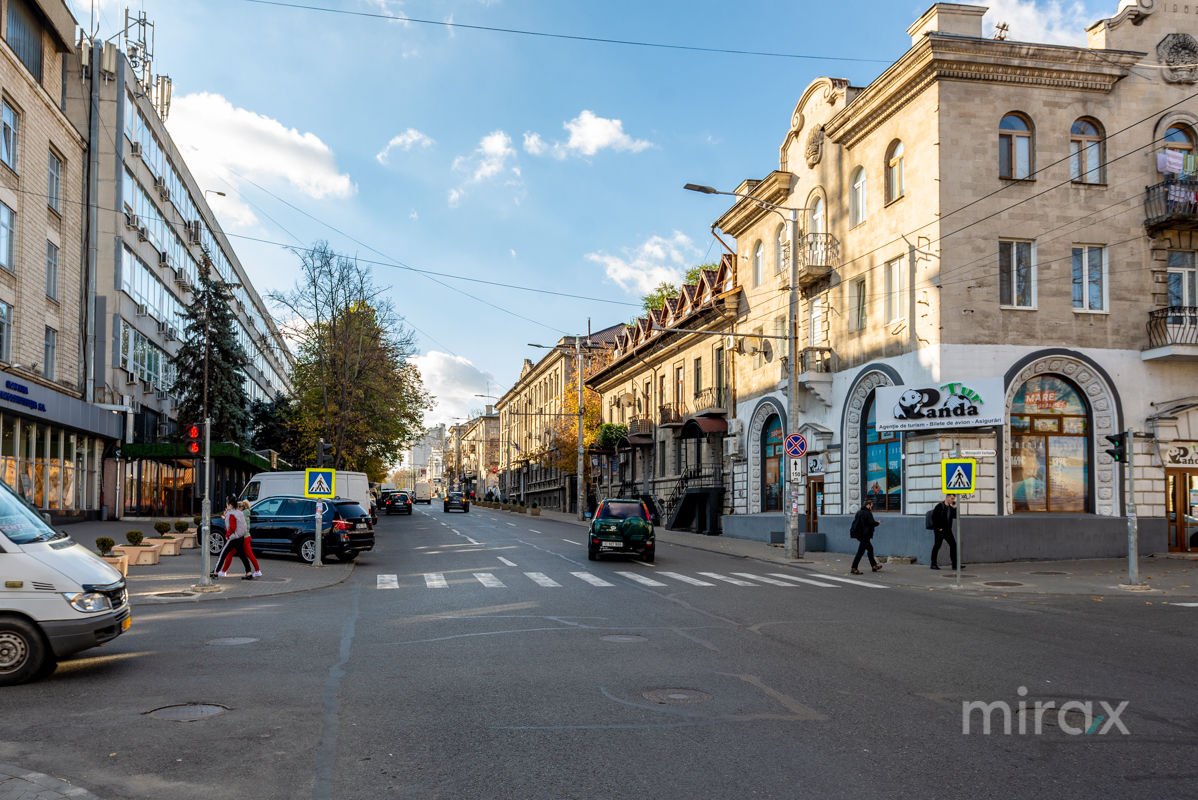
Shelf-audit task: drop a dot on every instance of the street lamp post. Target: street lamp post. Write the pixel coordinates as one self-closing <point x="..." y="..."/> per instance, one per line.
<point x="794" y="540"/>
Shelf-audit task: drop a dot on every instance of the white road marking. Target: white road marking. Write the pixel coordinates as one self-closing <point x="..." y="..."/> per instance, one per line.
<point x="508" y="563"/>
<point x="541" y="579"/>
<point x="685" y="579"/>
<point x="594" y="580"/>
<point x="718" y="577"/>
<point x="770" y="581"/>
<point x="467" y="539"/>
<point x="854" y="582"/>
<point x="821" y="584"/>
<point x="506" y="523"/>
<point x="632" y="576"/>
<point x="530" y="530"/>
<point x="1185" y="605"/>
<point x="434" y="580"/>
<point x="387" y="582"/>
<point x="455" y="530"/>
<point x="489" y="580"/>
<point x="571" y="541"/>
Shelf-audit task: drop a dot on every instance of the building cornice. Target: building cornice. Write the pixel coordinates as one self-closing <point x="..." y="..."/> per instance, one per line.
<point x="713" y="319"/>
<point x="774" y="188"/>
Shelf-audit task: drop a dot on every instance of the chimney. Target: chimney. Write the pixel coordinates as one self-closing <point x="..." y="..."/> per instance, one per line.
<point x="951" y="18"/>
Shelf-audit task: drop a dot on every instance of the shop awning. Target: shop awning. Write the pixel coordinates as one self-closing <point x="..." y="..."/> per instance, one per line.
<point x="634" y="440"/>
<point x="696" y="427"/>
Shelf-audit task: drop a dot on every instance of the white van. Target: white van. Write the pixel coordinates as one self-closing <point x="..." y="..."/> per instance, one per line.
<point x="57" y="597"/>
<point x="350" y="485"/>
<point x="423" y="493"/>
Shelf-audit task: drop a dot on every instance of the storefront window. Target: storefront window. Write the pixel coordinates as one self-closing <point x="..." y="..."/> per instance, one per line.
<point x="771" y="458"/>
<point x="883" y="465"/>
<point x="1050" y="447"/>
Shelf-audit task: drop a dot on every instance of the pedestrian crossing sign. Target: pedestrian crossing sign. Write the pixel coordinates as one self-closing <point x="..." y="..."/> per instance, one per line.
<point x="957" y="475"/>
<point x="320" y="482"/>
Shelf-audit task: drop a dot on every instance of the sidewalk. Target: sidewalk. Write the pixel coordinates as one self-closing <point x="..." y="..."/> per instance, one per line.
<point x="1162" y="578"/>
<point x="176" y="579"/>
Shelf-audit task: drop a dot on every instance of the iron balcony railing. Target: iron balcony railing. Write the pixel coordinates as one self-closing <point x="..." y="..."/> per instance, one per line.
<point x="640" y="426"/>
<point x="1173" y="325"/>
<point x="712" y="398"/>
<point x="819" y="254"/>
<point x="1171" y="204"/>
<point x="671" y="414"/>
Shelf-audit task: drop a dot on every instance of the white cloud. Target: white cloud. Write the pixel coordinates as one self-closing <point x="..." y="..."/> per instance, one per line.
<point x="455" y="198"/>
<point x="492" y="158"/>
<point x="588" y="135"/>
<point x="453" y="381"/>
<point x="413" y="215"/>
<point x="658" y="259"/>
<point x="1047" y="21"/>
<point x="404" y="141"/>
<point x="224" y="144"/>
<point x="513" y="252"/>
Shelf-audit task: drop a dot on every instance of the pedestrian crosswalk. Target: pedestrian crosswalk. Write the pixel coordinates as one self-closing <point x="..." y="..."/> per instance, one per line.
<point x="656" y="579"/>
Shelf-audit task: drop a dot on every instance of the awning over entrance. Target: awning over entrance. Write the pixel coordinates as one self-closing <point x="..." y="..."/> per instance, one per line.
<point x="634" y="440"/>
<point x="697" y="427"/>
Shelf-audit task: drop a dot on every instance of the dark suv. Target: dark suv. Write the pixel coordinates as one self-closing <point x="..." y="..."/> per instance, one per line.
<point x="621" y="526"/>
<point x="456" y="500"/>
<point x="285" y="524"/>
<point x="397" y="503"/>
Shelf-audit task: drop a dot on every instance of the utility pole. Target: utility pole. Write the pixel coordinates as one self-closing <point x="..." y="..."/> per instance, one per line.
<point x="206" y="505"/>
<point x="1133" y="530"/>
<point x="794" y="539"/>
<point x="578" y="374"/>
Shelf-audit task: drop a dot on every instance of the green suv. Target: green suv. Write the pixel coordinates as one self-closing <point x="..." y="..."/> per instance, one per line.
<point x="621" y="526"/>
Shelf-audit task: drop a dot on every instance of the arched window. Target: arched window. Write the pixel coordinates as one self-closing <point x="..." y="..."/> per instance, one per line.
<point x="1015" y="147"/>
<point x="1179" y="137"/>
<point x="1050" y="443"/>
<point x="758" y="258"/>
<point x="857" y="198"/>
<point x="894" y="171"/>
<point x="771" y="465"/>
<point x="883" y="473"/>
<point x="780" y="248"/>
<point x="1085" y="152"/>
<point x="818" y="224"/>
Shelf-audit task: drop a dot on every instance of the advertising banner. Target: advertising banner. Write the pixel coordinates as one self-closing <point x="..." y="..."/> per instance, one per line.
<point x="948" y="404"/>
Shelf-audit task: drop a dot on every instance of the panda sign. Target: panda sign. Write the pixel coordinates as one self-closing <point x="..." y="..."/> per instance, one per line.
<point x="948" y="404"/>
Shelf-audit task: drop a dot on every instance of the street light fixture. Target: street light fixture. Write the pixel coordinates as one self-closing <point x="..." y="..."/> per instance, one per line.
<point x="794" y="541"/>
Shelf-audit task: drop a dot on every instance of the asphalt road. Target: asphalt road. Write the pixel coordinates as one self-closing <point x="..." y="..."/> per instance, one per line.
<point x="481" y="655"/>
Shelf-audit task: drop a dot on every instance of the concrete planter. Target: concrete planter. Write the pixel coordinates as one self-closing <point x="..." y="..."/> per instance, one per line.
<point x="119" y="562"/>
<point x="143" y="555"/>
<point x="536" y="512"/>
<point x="187" y="541"/>
<point x="170" y="547"/>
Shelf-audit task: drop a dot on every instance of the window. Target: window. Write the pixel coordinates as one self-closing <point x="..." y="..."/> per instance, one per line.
<point x="759" y="343"/>
<point x="717" y="374"/>
<point x="698" y="376"/>
<point x="1049" y="447"/>
<point x="771" y="458"/>
<point x="678" y="384"/>
<point x="25" y="36"/>
<point x="50" y="353"/>
<point x="857" y="304"/>
<point x="758" y="257"/>
<point x="896" y="290"/>
<point x="8" y="236"/>
<point x="1089" y="277"/>
<point x="54" y="182"/>
<point x="10" y="130"/>
<point x="815" y="319"/>
<point x="51" y="270"/>
<point x="894" y="172"/>
<point x="1183" y="279"/>
<point x="817" y="216"/>
<point x="1085" y="152"/>
<point x="857" y="198"/>
<point x="1014" y="147"/>
<point x="1016" y="275"/>
<point x="780" y="248"/>
<point x="5" y="332"/>
<point x="883" y="476"/>
<point x="1179" y="137"/>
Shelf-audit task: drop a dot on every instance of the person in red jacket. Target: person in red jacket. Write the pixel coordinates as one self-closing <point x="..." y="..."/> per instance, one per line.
<point x="237" y="541"/>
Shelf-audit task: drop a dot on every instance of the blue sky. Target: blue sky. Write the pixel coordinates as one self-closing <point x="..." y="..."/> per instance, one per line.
<point x="539" y="162"/>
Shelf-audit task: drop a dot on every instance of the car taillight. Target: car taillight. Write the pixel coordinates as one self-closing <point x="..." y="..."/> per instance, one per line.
<point x="340" y="525"/>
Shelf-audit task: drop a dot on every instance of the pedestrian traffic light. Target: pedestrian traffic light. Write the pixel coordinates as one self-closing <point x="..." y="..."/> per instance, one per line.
<point x="1119" y="451"/>
<point x="194" y="432"/>
<point x="324" y="451"/>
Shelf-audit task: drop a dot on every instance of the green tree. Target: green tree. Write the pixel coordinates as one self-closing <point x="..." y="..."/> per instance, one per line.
<point x="270" y="426"/>
<point x="209" y="328"/>
<point x="657" y="298"/>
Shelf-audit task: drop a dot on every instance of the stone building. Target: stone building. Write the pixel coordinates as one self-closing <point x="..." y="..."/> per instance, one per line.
<point x="976" y="233"/>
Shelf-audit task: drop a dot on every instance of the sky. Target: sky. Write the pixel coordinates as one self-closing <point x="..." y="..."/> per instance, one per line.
<point x="452" y="157"/>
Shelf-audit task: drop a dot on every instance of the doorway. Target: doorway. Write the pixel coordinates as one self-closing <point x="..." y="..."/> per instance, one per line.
<point x="1181" y="509"/>
<point x="815" y="502"/>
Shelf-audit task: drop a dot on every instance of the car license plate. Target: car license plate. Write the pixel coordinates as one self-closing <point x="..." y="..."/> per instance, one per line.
<point x="126" y="622"/>
<point x="613" y="545"/>
<point x="360" y="526"/>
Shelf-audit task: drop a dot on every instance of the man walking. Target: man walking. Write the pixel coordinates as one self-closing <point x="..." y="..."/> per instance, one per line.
<point x="942" y="526"/>
<point x="862" y="530"/>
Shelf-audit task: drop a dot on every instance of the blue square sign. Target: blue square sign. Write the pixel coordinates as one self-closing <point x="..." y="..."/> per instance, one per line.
<point x="958" y="475"/>
<point x="320" y="483"/>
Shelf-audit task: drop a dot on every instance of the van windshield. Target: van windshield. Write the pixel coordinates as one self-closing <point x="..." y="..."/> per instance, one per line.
<point x="19" y="522"/>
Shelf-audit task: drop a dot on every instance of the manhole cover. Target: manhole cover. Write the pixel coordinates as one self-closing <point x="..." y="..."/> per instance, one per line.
<point x="623" y="637"/>
<point x="233" y="640"/>
<point x="175" y="594"/>
<point x="1001" y="583"/>
<point x="1048" y="572"/>
<point x="677" y="697"/>
<point x="188" y="712"/>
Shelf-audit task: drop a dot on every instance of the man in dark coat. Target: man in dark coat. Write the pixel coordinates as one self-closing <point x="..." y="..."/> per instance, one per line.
<point x="862" y="530"/>
<point x="942" y="526"/>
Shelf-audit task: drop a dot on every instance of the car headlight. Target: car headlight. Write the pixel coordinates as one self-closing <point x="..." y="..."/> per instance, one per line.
<point x="88" y="602"/>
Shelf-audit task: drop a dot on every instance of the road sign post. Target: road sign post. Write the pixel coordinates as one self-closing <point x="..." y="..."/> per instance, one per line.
<point x="959" y="476"/>
<point x="794" y="446"/>
<point x="322" y="484"/>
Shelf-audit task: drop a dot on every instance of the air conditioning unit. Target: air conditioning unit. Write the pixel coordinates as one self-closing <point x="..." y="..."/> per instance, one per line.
<point x="142" y="310"/>
<point x="164" y="260"/>
<point x="135" y="148"/>
<point x="136" y="406"/>
<point x="162" y="326"/>
<point x="160" y="185"/>
<point x="131" y="221"/>
<point x="732" y="447"/>
<point x="164" y="428"/>
<point x="729" y="342"/>
<point x="182" y="282"/>
<point x="163" y="394"/>
<point x="193" y="232"/>
<point x="142" y="234"/>
<point x="169" y="334"/>
<point x="130" y="379"/>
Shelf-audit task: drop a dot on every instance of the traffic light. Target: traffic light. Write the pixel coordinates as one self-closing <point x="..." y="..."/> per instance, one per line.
<point x="1119" y="451"/>
<point x="194" y="432"/>
<point x="324" y="450"/>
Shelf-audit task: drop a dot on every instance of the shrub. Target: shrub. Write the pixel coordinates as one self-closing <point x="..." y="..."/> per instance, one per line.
<point x="105" y="545"/>
<point x="534" y="504"/>
<point x="134" y="537"/>
<point x="162" y="527"/>
<point x="181" y="526"/>
<point x="196" y="520"/>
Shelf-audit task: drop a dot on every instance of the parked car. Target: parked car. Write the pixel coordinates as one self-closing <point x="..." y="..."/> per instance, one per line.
<point x="286" y="524"/>
<point x="621" y="526"/>
<point x="458" y="501"/>
<point x="350" y="485"/>
<point x="397" y="503"/>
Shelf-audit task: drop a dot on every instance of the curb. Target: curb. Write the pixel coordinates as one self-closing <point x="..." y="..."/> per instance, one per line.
<point x="21" y="784"/>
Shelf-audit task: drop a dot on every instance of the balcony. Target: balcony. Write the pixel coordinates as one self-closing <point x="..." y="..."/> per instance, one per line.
<point x="815" y="368"/>
<point x="819" y="254"/>
<point x="640" y="426"/>
<point x="712" y="401"/>
<point x="1172" y="334"/>
<point x="671" y="414"/>
<point x="1172" y="205"/>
